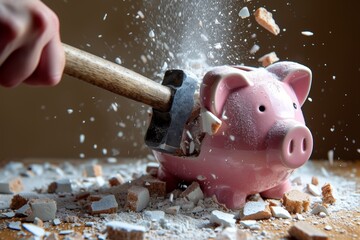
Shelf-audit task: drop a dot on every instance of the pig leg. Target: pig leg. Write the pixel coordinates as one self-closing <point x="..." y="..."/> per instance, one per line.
<point x="231" y="198"/>
<point x="278" y="191"/>
<point x="171" y="181"/>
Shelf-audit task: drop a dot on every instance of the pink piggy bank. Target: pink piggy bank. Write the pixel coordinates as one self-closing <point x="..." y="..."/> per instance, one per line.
<point x="262" y="138"/>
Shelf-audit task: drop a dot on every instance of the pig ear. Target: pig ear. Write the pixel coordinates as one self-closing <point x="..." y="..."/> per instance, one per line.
<point x="218" y="84"/>
<point x="296" y="75"/>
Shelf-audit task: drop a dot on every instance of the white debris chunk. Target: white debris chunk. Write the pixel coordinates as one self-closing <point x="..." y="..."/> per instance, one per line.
<point x="137" y="198"/>
<point x="106" y="204"/>
<point x="93" y="170"/>
<point x="314" y="190"/>
<point x="193" y="193"/>
<point x="123" y="230"/>
<point x="35" y="230"/>
<point x="280" y="212"/>
<point x="14" y="225"/>
<point x="66" y="232"/>
<point x="7" y="215"/>
<point x="331" y="157"/>
<point x="318" y="209"/>
<point x="249" y="223"/>
<point x="82" y="138"/>
<point x="141" y="14"/>
<point x="209" y="122"/>
<point x="13" y="186"/>
<point x="154" y="215"/>
<point x="222" y="218"/>
<point x="60" y="186"/>
<point x="307" y="33"/>
<point x="118" y="60"/>
<point x="254" y="49"/>
<point x="256" y="211"/>
<point x="44" y="208"/>
<point x="173" y="210"/>
<point x="244" y="13"/>
<point x="233" y="233"/>
<point x="56" y="222"/>
<point x="152" y="34"/>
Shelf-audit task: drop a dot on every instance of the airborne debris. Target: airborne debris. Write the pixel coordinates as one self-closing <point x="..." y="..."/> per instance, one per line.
<point x="244" y="13"/>
<point x="307" y="33"/>
<point x="268" y="59"/>
<point x="265" y="19"/>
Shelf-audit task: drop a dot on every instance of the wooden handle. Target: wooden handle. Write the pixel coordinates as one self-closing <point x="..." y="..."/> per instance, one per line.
<point x="115" y="78"/>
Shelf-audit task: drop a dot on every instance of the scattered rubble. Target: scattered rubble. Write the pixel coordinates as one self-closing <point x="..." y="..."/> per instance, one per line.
<point x="93" y="170"/>
<point x="280" y="212"/>
<point x="222" y="218"/>
<point x="35" y="230"/>
<point x="106" y="204"/>
<point x="60" y="186"/>
<point x="161" y="214"/>
<point x="13" y="186"/>
<point x="44" y="208"/>
<point x="122" y="230"/>
<point x="296" y="201"/>
<point x="233" y="233"/>
<point x="14" y="225"/>
<point x="315" y="181"/>
<point x="156" y="187"/>
<point x="117" y="180"/>
<point x="314" y="190"/>
<point x="304" y="231"/>
<point x="193" y="193"/>
<point x="138" y="198"/>
<point x="256" y="211"/>
<point x="319" y="209"/>
<point x="327" y="193"/>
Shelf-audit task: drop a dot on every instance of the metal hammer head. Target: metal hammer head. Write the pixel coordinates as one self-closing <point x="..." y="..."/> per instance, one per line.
<point x="165" y="130"/>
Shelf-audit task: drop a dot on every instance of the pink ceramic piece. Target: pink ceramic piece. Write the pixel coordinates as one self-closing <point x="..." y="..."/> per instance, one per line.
<point x="262" y="139"/>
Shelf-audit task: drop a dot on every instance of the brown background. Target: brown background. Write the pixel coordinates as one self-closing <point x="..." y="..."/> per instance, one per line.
<point x="35" y="122"/>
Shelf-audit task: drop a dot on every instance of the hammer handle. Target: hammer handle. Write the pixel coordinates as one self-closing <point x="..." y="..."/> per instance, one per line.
<point x="115" y="78"/>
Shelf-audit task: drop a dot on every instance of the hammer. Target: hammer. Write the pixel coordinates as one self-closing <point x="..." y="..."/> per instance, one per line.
<point x="172" y="101"/>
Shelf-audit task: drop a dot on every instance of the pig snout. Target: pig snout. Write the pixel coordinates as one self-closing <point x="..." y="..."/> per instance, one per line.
<point x="290" y="142"/>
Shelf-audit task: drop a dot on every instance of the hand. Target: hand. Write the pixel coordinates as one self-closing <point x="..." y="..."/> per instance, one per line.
<point x="30" y="46"/>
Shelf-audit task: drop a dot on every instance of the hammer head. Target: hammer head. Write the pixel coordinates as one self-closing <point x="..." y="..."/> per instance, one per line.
<point x="165" y="130"/>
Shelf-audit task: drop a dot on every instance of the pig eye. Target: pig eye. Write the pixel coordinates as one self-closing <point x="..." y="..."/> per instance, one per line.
<point x="262" y="108"/>
<point x="294" y="105"/>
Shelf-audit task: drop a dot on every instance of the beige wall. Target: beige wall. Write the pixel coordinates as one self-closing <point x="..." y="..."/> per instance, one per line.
<point x="35" y="122"/>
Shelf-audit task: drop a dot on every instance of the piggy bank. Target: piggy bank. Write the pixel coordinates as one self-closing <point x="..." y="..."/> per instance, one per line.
<point x="261" y="138"/>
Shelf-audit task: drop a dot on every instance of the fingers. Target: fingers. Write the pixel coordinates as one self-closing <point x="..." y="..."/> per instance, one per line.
<point x="15" y="24"/>
<point x="31" y="50"/>
<point x="51" y="65"/>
